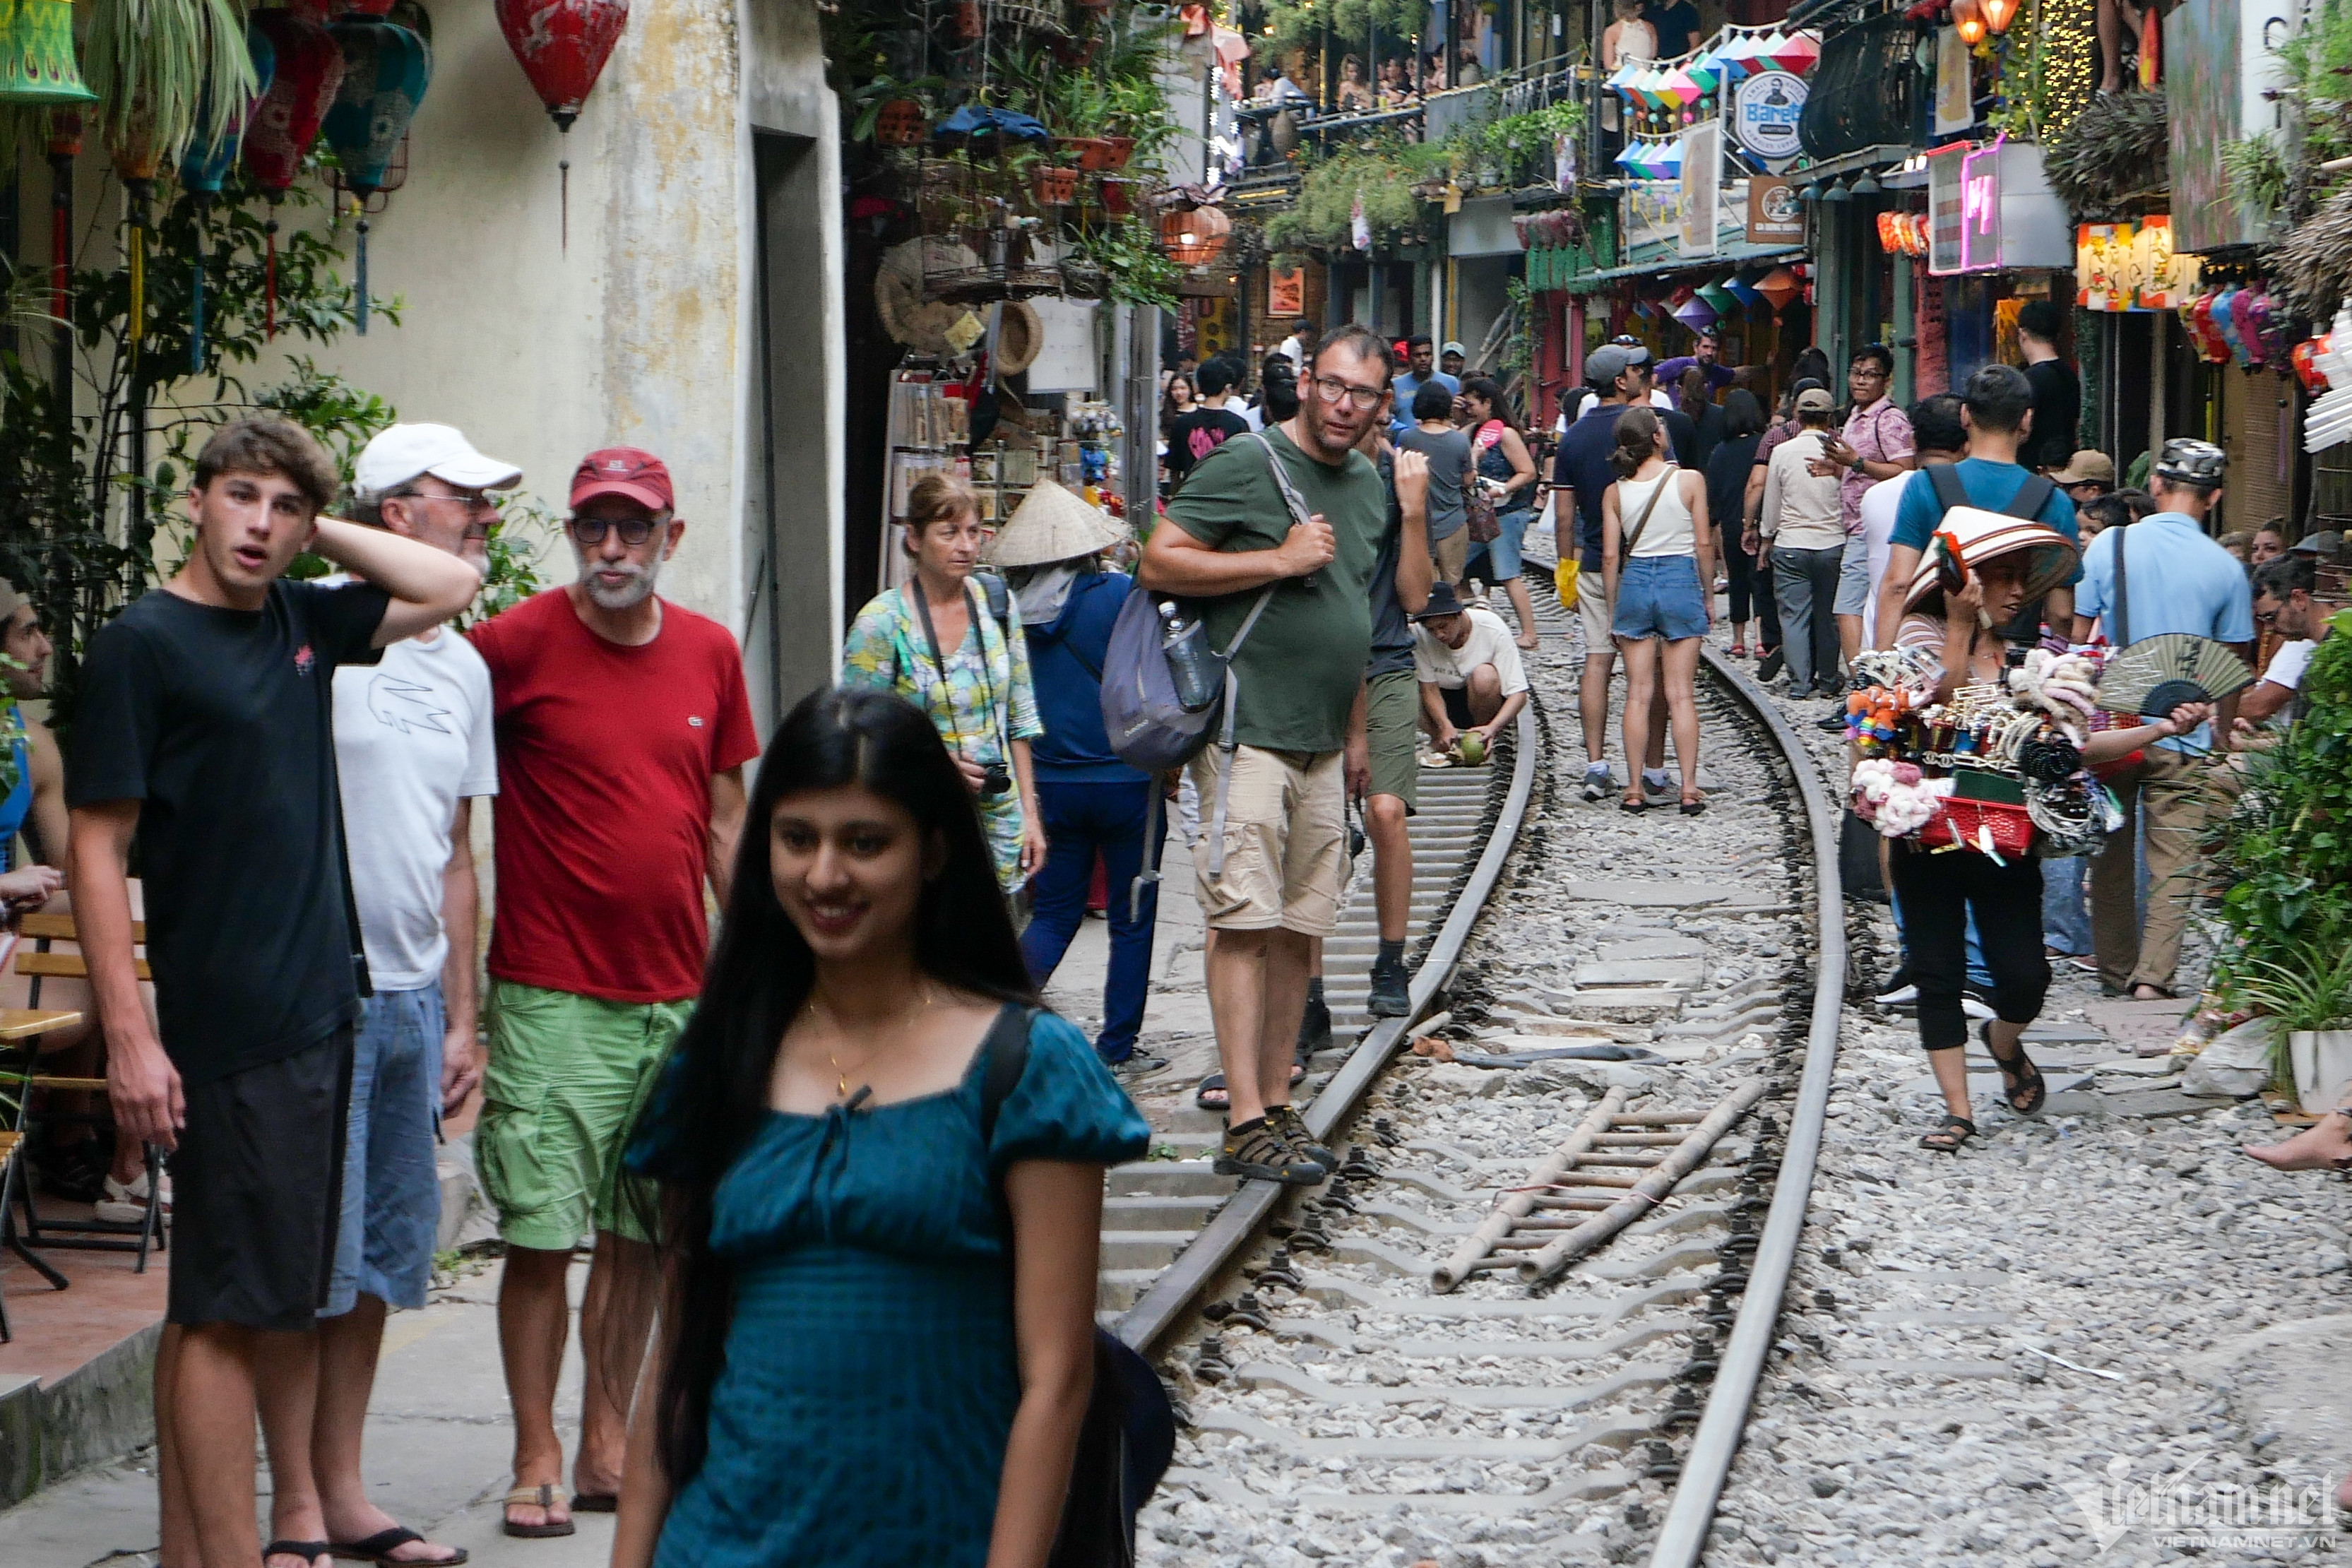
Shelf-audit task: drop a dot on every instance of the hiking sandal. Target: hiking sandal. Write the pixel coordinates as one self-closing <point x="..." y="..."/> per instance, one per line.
<point x="1257" y="1152"/>
<point x="547" y="1497"/>
<point x="2018" y="1073"/>
<point x="1954" y="1131"/>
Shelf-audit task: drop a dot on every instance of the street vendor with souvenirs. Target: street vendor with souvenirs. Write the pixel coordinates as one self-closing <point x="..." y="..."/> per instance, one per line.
<point x="1974" y="761"/>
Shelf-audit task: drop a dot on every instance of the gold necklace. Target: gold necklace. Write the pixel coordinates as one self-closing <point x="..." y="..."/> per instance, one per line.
<point x="841" y="1074"/>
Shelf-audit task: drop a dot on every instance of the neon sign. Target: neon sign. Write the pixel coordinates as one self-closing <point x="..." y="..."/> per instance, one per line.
<point x="1981" y="208"/>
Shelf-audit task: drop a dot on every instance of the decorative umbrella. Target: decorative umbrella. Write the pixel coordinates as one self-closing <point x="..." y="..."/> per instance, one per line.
<point x="308" y="72"/>
<point x="204" y="166"/>
<point x="385" y="71"/>
<point x="561" y="45"/>
<point x="1718" y="297"/>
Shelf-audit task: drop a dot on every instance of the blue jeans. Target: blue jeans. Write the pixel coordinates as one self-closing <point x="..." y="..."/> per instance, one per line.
<point x="1497" y="559"/>
<point x="1082" y="820"/>
<point x="392" y="1191"/>
<point x="2066" y="921"/>
<point x="1979" y="972"/>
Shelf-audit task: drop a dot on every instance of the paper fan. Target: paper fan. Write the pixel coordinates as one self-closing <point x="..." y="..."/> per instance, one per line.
<point x="2156" y="674"/>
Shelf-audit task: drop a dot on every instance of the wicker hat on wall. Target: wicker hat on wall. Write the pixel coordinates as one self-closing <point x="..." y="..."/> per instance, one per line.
<point x="1020" y="337"/>
<point x="1051" y="524"/>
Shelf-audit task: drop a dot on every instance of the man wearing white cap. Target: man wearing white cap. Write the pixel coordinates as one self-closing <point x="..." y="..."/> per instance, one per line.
<point x="413" y="751"/>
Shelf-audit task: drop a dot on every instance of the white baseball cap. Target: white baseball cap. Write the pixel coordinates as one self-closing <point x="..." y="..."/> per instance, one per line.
<point x="404" y="452"/>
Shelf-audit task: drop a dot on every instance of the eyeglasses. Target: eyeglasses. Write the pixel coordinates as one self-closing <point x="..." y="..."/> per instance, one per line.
<point x="634" y="531"/>
<point x="476" y="502"/>
<point x="1331" y="389"/>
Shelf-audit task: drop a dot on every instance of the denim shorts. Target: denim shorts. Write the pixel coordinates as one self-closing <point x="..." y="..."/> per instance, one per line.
<point x="391" y="1187"/>
<point x="1497" y="561"/>
<point x="1659" y="596"/>
<point x="1854" y="578"/>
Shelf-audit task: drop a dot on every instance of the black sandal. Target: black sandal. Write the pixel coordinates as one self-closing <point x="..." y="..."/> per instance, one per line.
<point x="308" y="1550"/>
<point x="1944" y="1138"/>
<point x="2018" y="1072"/>
<point x="379" y="1549"/>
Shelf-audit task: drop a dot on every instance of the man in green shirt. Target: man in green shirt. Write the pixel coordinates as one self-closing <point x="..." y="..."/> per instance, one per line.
<point x="1271" y="884"/>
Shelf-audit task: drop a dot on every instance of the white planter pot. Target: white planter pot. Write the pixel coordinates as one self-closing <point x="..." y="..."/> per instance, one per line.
<point x="2322" y="1060"/>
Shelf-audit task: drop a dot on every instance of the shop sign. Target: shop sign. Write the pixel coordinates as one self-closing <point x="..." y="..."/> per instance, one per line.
<point x="1701" y="195"/>
<point x="1774" y="214"/>
<point x="2131" y="267"/>
<point x="1285" y="292"/>
<point x="1990" y="210"/>
<point x="1764" y="114"/>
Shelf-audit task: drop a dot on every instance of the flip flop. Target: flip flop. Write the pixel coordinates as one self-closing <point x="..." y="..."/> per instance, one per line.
<point x="379" y="1548"/>
<point x="308" y="1550"/>
<point x="546" y="1496"/>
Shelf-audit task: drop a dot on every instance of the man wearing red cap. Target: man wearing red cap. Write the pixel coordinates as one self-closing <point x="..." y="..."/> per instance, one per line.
<point x="623" y="728"/>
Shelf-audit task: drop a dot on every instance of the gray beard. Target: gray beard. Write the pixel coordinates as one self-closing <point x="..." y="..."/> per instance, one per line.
<point x="629" y="595"/>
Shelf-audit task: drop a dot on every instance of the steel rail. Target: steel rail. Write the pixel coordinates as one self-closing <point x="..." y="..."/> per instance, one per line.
<point x="1236" y="1225"/>
<point x="1682" y="1538"/>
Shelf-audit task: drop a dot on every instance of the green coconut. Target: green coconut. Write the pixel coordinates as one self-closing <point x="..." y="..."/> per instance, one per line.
<point x="1472" y="747"/>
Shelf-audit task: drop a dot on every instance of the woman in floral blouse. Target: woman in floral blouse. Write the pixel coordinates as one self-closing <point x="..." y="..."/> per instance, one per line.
<point x="939" y="642"/>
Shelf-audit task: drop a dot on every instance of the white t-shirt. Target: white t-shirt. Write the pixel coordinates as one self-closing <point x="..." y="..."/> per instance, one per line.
<point x="412" y="737"/>
<point x="1490" y="643"/>
<point x="2288" y="664"/>
<point x="1659" y="398"/>
<point x="1880" y="503"/>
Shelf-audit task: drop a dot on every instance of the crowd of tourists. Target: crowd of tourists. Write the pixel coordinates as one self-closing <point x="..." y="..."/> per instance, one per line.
<point x="852" y="1116"/>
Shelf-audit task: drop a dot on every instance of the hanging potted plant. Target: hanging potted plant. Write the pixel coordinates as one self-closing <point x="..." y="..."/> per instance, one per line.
<point x="1053" y="185"/>
<point x="1079" y="112"/>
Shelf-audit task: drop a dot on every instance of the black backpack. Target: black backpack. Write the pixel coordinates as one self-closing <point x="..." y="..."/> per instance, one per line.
<point x="2030" y="498"/>
<point x="1128" y="1436"/>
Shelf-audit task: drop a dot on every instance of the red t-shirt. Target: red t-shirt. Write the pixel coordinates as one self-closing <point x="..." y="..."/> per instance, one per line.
<point x="606" y="757"/>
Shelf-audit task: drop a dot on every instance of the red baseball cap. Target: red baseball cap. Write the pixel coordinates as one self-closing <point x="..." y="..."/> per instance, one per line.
<point x="629" y="471"/>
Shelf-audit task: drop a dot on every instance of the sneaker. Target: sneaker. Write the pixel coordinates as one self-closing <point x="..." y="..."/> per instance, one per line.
<point x="1975" y="1003"/>
<point x="1599" y="783"/>
<point x="1653" y="794"/>
<point x="127" y="1203"/>
<point x="1834" y="723"/>
<point x="1314" y="1028"/>
<point x="1391" y="994"/>
<point x="1897" y="991"/>
<point x="1257" y="1152"/>
<point x="1293" y="1128"/>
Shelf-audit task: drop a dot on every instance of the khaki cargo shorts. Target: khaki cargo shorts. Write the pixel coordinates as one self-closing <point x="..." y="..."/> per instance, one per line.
<point x="1286" y="840"/>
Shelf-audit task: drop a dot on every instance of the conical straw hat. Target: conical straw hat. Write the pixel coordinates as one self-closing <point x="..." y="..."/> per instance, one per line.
<point x="1052" y="524"/>
<point x="1981" y="536"/>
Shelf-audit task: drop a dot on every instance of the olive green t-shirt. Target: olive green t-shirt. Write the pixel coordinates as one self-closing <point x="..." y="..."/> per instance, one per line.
<point x="1299" y="670"/>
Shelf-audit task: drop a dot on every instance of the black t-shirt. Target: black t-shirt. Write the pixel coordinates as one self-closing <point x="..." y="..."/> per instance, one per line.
<point x="1392" y="630"/>
<point x="1674" y="24"/>
<point x="2057" y="409"/>
<point x="1198" y="434"/>
<point x="220" y="723"/>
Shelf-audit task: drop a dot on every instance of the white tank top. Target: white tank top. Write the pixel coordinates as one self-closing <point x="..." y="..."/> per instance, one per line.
<point x="1669" y="529"/>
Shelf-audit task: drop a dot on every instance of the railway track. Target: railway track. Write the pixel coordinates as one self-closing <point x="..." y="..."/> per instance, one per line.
<point x="1337" y="1407"/>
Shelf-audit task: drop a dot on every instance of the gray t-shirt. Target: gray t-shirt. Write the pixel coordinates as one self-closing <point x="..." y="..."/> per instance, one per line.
<point x="1448" y="454"/>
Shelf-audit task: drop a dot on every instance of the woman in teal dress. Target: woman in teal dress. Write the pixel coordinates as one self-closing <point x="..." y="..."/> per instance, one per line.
<point x="877" y="1331"/>
<point x="937" y="643"/>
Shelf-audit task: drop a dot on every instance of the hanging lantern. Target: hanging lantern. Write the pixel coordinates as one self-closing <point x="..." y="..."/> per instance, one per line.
<point x="1722" y="299"/>
<point x="561" y="45"/>
<point x="309" y="70"/>
<point x="1696" y="313"/>
<point x="205" y="165"/>
<point x="1744" y="292"/>
<point x="1779" y="287"/>
<point x="386" y="68"/>
<point x="1194" y="238"/>
<point x="1999" y="14"/>
<point x="1968" y="17"/>
<point x="36" y="54"/>
<point x="2307" y="369"/>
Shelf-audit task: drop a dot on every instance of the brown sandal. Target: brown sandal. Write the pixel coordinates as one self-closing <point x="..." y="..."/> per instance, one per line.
<point x="547" y="1497"/>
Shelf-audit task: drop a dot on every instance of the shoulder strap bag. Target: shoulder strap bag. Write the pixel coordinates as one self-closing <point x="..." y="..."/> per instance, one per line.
<point x="1129" y="1436"/>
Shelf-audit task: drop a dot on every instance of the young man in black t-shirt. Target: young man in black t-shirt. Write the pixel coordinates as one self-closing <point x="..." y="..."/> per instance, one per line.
<point x="203" y="733"/>
<point x="1207" y="427"/>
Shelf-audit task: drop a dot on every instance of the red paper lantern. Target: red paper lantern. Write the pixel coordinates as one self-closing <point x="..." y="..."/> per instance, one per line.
<point x="286" y="122"/>
<point x="562" y="44"/>
<point x="1194" y="238"/>
<point x="1779" y="287"/>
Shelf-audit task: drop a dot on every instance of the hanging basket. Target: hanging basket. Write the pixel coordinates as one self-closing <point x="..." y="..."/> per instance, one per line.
<point x="1082" y="279"/>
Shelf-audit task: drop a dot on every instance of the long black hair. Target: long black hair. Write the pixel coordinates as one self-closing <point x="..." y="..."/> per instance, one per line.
<point x="714" y="1088"/>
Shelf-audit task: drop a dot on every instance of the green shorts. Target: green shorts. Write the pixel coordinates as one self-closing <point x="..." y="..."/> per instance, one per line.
<point x="1391" y="725"/>
<point x="566" y="1077"/>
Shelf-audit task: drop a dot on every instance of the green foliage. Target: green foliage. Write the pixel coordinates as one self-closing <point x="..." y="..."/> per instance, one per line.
<point x="1521" y="146"/>
<point x="151" y="62"/>
<point x="518" y="538"/>
<point x="79" y="519"/>
<point x="2312" y="989"/>
<point x="1374" y="172"/>
<point x="2287" y="846"/>
<point x="2258" y="173"/>
<point x="2318" y="62"/>
<point x="1137" y="271"/>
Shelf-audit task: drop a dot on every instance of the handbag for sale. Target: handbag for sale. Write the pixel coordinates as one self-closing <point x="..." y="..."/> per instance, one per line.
<point x="1485" y="525"/>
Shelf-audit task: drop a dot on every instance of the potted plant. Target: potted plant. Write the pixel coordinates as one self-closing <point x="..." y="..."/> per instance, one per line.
<point x="2309" y="996"/>
<point x="1079" y="110"/>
